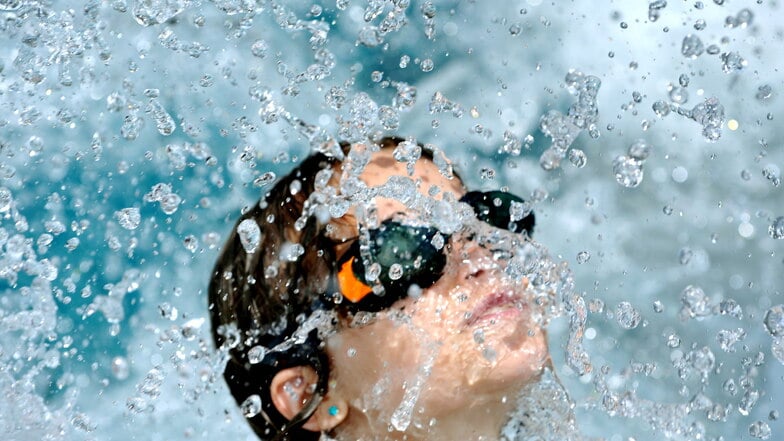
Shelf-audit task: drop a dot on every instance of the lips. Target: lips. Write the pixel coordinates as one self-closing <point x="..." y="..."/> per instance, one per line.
<point x="495" y="306"/>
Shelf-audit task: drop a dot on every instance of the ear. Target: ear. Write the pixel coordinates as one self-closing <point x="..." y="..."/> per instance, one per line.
<point x="292" y="388"/>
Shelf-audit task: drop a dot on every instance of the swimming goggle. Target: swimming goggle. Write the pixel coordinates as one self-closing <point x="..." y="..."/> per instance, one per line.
<point x="408" y="255"/>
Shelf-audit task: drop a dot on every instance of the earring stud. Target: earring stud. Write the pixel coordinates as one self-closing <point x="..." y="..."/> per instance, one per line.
<point x="333" y="410"/>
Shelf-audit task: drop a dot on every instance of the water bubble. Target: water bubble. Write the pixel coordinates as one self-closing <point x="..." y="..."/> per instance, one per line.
<point x="673" y="341"/>
<point x="774" y="321"/>
<point x="426" y="65"/>
<point x="759" y="429"/>
<point x="628" y="171"/>
<point x="692" y="46"/>
<point x="658" y="306"/>
<point x="628" y="317"/>
<point x="129" y="218"/>
<point x="699" y="24"/>
<point x="583" y="257"/>
<point x="249" y="234"/>
<point x="776" y="228"/>
<point x="251" y="406"/>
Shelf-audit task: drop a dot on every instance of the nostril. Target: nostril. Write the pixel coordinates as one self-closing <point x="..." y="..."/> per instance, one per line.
<point x="475" y="273"/>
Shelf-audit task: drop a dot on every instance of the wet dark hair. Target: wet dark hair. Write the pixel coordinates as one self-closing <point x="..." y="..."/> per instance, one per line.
<point x="267" y="297"/>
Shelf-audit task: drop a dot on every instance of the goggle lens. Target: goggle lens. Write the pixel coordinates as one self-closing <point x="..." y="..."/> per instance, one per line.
<point x="406" y="254"/>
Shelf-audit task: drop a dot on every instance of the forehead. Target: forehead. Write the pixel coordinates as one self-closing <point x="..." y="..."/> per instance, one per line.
<point x="426" y="174"/>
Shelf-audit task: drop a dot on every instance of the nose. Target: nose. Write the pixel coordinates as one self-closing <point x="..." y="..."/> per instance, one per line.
<point x="469" y="259"/>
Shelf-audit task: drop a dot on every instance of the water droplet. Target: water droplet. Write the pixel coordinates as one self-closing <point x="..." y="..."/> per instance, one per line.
<point x="6" y="200"/>
<point x="251" y="406"/>
<point x="628" y="171"/>
<point x="692" y="46"/>
<point x="695" y="302"/>
<point x="654" y="9"/>
<point x="776" y="228"/>
<point x="151" y="12"/>
<point x="702" y="359"/>
<point x="120" y="368"/>
<point x="764" y="92"/>
<point x="628" y="317"/>
<point x="732" y="61"/>
<point x="774" y="321"/>
<point x="661" y="108"/>
<point x="640" y="150"/>
<point x="256" y="354"/>
<point x="685" y="255"/>
<point x="259" y="48"/>
<point x="129" y="218"/>
<point x="249" y="234"/>
<point x="577" y="158"/>
<point x="759" y="429"/>
<point x="395" y="271"/>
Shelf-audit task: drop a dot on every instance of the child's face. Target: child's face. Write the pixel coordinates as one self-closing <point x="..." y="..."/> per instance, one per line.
<point x="471" y="330"/>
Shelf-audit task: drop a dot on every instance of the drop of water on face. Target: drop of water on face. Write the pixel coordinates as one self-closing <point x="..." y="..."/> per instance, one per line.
<point x="251" y="406"/>
<point x="395" y="271"/>
<point x="628" y="317"/>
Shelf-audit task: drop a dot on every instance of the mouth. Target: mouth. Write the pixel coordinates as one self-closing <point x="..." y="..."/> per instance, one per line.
<point x="495" y="307"/>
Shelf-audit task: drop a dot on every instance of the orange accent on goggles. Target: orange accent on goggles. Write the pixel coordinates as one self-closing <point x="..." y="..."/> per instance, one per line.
<point x="351" y="287"/>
